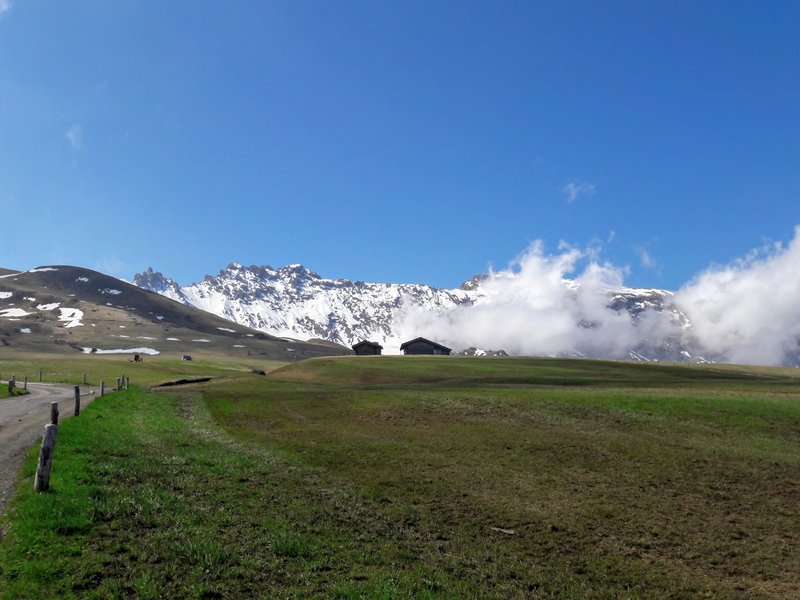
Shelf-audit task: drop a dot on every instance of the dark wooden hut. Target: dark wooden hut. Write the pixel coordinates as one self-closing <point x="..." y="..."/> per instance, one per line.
<point x="366" y="348"/>
<point x="422" y="346"/>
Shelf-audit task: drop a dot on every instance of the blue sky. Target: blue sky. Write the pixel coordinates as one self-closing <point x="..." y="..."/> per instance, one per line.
<point x="396" y="141"/>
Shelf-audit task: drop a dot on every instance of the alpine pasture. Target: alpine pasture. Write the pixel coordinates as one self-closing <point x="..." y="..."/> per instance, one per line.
<point x="438" y="477"/>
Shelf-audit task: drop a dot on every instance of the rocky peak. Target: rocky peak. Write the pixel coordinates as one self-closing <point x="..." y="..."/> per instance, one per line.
<point x="153" y="280"/>
<point x="297" y="273"/>
<point x="474" y="282"/>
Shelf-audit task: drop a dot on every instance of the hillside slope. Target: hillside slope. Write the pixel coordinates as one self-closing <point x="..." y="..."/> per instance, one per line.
<point x="71" y="309"/>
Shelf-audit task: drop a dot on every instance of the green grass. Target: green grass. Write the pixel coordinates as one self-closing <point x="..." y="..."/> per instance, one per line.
<point x="17" y="391"/>
<point x="618" y="479"/>
<point x="390" y="477"/>
<point x="449" y="370"/>
<point x="154" y="369"/>
<point x="148" y="501"/>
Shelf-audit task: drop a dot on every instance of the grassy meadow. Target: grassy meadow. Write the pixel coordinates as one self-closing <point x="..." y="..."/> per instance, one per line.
<point x="153" y="370"/>
<point x="439" y="477"/>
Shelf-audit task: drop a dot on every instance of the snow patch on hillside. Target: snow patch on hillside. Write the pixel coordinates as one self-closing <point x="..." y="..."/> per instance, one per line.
<point x="149" y="351"/>
<point x="72" y="317"/>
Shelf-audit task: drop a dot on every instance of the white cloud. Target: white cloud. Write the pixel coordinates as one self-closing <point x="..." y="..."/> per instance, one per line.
<point x="574" y="189"/>
<point x="748" y="311"/>
<point x="74" y="135"/>
<point x="557" y="304"/>
<point x="532" y="308"/>
<point x="5" y="6"/>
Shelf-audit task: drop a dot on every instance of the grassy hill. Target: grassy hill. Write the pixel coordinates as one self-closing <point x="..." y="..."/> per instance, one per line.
<point x="426" y="477"/>
<point x="462" y="370"/>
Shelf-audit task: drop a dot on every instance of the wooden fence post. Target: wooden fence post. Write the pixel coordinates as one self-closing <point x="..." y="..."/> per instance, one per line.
<point x="127" y="381"/>
<point x="25" y="385"/>
<point x="40" y="376"/>
<point x="77" y="400"/>
<point x="54" y="413"/>
<point x="84" y="379"/>
<point x="10" y="387"/>
<point x="42" y="480"/>
<point x="119" y="385"/>
<point x="102" y="388"/>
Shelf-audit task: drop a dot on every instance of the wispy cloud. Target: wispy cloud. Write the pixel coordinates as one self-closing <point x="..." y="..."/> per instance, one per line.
<point x="5" y="6"/>
<point x="74" y="135"/>
<point x="574" y="189"/>
<point x="646" y="259"/>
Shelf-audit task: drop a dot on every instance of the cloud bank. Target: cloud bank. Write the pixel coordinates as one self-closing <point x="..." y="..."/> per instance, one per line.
<point x="570" y="303"/>
<point x="534" y="308"/>
<point x="748" y="311"/>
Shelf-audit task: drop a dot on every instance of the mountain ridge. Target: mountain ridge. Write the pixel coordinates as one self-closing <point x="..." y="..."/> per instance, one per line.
<point x="286" y="301"/>
<point x="296" y="301"/>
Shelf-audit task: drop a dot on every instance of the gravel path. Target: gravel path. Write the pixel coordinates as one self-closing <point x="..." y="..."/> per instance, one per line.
<point x="22" y="421"/>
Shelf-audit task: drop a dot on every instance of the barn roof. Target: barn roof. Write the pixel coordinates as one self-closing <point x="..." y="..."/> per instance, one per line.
<point x="424" y="340"/>
<point x="367" y="343"/>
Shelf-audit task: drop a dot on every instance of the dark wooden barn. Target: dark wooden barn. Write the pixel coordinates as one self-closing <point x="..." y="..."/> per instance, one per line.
<point x="422" y="346"/>
<point x="366" y="348"/>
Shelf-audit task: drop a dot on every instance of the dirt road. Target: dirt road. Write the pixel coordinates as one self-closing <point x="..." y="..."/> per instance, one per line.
<point x="22" y="421"/>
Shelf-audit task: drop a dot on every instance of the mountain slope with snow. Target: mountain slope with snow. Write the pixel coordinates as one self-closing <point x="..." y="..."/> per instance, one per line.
<point x="67" y="309"/>
<point x="295" y="302"/>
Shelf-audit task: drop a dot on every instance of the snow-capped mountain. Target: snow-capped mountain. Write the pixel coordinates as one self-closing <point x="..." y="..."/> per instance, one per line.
<point x="295" y="302"/>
